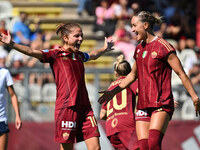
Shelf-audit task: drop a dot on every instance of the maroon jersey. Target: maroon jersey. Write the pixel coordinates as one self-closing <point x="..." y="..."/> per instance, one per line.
<point x="120" y="110"/>
<point x="154" y="74"/>
<point x="69" y="73"/>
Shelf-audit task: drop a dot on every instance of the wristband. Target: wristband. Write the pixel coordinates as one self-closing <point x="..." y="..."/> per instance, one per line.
<point x="11" y="43"/>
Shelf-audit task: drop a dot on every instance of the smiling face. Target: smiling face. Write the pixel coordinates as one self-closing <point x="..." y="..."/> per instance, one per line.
<point x="139" y="28"/>
<point x="73" y="40"/>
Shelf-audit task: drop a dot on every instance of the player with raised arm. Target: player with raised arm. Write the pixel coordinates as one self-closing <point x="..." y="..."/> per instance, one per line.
<point x="155" y="59"/>
<point x="74" y="118"/>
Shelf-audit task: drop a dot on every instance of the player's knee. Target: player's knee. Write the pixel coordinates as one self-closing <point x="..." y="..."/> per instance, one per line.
<point x="98" y="147"/>
<point x="155" y="139"/>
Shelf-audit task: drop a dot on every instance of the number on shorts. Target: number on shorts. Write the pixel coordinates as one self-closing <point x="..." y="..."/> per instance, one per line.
<point x="93" y="121"/>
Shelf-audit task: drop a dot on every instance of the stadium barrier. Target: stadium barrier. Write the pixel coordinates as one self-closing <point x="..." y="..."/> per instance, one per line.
<point x="180" y="135"/>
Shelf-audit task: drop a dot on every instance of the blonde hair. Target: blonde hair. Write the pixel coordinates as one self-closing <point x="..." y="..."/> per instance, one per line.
<point x="65" y="29"/>
<point x="121" y="66"/>
<point x="146" y="16"/>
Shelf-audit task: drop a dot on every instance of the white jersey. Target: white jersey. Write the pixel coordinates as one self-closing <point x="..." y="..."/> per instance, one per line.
<point x="5" y="81"/>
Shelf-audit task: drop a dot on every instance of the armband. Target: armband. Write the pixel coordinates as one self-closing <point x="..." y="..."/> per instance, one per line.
<point x="87" y="57"/>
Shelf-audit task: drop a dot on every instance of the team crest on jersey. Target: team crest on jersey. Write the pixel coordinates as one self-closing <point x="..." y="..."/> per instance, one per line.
<point x="65" y="135"/>
<point x="153" y="54"/>
<point x="114" y="122"/>
<point x="138" y="50"/>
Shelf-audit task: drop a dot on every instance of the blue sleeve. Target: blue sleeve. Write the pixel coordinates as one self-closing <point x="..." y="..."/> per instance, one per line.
<point x="86" y="57"/>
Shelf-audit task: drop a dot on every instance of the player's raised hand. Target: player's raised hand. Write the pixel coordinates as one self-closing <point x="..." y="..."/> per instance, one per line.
<point x="176" y="104"/>
<point x="106" y="97"/>
<point x="5" y="38"/>
<point x="108" y="44"/>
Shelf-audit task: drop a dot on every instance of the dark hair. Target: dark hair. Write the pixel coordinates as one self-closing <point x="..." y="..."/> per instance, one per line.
<point x="146" y="16"/>
<point x="65" y="29"/>
<point x="121" y="66"/>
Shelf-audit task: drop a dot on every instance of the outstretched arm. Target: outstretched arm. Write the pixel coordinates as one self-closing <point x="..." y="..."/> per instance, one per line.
<point x="108" y="46"/>
<point x="6" y="39"/>
<point x="130" y="78"/>
<point x="18" y="122"/>
<point x="177" y="67"/>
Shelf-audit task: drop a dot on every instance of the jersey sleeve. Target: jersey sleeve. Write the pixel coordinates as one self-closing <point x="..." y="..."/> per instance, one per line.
<point x="48" y="55"/>
<point x="166" y="49"/>
<point x="134" y="87"/>
<point x="9" y="80"/>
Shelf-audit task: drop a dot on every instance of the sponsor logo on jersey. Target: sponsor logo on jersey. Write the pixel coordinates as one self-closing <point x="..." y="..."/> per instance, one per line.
<point x="45" y="50"/>
<point x="68" y="125"/>
<point x="65" y="135"/>
<point x="141" y="113"/>
<point x="153" y="54"/>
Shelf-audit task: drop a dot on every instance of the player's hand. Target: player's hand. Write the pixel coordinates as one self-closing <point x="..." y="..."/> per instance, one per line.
<point x="18" y="123"/>
<point x="196" y="103"/>
<point x="108" y="44"/>
<point x="5" y="38"/>
<point x="106" y="97"/>
<point x="176" y="104"/>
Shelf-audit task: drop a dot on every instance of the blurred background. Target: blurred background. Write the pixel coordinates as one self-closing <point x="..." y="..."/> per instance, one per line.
<point x="34" y="81"/>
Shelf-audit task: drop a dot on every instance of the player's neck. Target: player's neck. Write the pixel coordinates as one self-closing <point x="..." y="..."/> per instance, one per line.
<point x="67" y="49"/>
<point x="150" y="38"/>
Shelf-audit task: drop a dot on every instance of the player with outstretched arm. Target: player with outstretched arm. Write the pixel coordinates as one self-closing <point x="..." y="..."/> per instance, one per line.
<point x="74" y="118"/>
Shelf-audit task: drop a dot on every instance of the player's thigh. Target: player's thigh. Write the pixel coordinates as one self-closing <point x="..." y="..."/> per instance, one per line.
<point x="87" y="127"/>
<point x="142" y="129"/>
<point x="3" y="141"/>
<point x="93" y="143"/>
<point x="159" y="121"/>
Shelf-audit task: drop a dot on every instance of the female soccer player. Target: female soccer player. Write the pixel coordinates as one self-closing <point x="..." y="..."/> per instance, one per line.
<point x="74" y="118"/>
<point x="119" y="112"/>
<point x="6" y="82"/>
<point x="155" y="59"/>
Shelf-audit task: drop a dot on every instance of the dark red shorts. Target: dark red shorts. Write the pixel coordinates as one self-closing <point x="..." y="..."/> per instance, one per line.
<point x="145" y="114"/>
<point x="75" y="123"/>
<point x="126" y="140"/>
